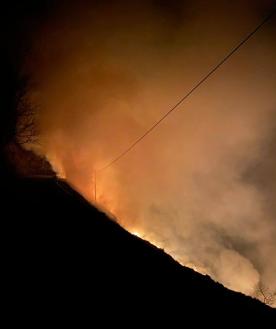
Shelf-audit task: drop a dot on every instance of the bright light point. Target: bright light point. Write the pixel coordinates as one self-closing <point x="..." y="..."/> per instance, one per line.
<point x="136" y="233"/>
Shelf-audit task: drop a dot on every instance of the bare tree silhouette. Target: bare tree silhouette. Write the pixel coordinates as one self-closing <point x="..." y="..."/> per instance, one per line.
<point x="266" y="295"/>
<point x="26" y="128"/>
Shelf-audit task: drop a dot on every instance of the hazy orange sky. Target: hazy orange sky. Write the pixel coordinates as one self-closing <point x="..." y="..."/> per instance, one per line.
<point x="203" y="185"/>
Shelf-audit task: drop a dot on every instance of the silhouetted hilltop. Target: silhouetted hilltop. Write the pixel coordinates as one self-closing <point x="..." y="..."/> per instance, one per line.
<point x="65" y="253"/>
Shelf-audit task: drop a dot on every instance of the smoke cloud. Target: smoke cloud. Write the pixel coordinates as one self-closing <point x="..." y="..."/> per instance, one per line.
<point x="203" y="185"/>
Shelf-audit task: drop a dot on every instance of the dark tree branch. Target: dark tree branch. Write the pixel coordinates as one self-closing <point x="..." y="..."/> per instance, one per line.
<point x="26" y="132"/>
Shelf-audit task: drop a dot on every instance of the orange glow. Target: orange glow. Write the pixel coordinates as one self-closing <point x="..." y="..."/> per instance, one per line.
<point x="202" y="186"/>
<point x="138" y="234"/>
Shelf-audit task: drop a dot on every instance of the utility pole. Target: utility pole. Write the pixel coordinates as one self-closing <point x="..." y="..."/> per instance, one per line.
<point x="95" y="185"/>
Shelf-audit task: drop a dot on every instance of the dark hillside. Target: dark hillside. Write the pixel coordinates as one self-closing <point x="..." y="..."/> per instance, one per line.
<point x="66" y="255"/>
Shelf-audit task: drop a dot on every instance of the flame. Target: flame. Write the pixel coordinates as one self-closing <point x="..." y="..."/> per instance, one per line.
<point x="136" y="233"/>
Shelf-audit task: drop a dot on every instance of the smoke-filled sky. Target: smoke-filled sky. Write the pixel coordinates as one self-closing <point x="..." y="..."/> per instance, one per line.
<point x="203" y="184"/>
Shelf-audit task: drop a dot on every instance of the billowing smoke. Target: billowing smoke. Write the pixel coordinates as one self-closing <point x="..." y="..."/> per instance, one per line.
<point x="203" y="185"/>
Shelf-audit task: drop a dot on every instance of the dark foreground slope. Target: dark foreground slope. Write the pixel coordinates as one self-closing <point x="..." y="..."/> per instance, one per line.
<point x="67" y="258"/>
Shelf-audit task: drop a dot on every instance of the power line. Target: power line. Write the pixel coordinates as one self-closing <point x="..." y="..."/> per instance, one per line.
<point x="192" y="90"/>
